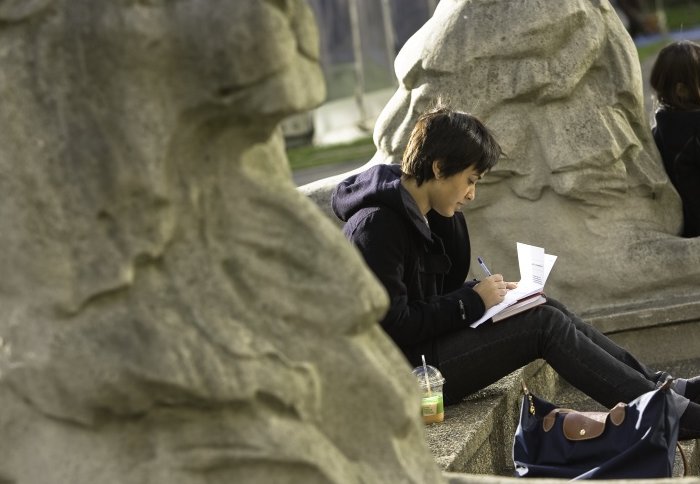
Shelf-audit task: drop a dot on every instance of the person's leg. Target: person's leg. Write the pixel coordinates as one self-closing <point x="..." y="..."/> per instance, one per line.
<point x="689" y="388"/>
<point x="609" y="345"/>
<point x="474" y="358"/>
<point x="689" y="425"/>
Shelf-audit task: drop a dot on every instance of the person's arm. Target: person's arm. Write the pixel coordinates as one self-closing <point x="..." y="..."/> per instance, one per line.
<point x="382" y="239"/>
<point x="455" y="237"/>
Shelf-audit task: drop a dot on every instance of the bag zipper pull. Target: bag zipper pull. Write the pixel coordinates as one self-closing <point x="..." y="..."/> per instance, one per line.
<point x="529" y="398"/>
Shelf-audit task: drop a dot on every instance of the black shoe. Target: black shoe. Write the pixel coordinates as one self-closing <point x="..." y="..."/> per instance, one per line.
<point x="692" y="389"/>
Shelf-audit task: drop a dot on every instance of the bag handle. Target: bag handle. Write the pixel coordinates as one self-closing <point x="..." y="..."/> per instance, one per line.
<point x="666" y="385"/>
<point x="683" y="457"/>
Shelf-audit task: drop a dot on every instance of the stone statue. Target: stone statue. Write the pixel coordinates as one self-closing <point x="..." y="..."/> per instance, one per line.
<point x="560" y="85"/>
<point x="171" y="308"/>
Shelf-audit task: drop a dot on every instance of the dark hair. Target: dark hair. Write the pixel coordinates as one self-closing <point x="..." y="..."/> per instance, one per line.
<point x="678" y="64"/>
<point x="457" y="140"/>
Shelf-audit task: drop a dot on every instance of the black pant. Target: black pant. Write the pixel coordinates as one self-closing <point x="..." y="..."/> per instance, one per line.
<point x="474" y="358"/>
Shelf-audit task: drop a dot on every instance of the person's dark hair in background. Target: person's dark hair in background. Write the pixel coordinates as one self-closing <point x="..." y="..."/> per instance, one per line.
<point x="675" y="76"/>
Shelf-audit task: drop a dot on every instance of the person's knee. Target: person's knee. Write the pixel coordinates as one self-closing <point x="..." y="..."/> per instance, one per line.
<point x="549" y="319"/>
<point x="556" y="304"/>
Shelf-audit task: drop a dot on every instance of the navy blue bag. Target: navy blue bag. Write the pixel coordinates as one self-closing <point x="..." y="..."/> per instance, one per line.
<point x="634" y="440"/>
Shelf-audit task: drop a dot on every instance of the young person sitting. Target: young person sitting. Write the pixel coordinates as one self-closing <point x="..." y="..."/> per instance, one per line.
<point x="407" y="223"/>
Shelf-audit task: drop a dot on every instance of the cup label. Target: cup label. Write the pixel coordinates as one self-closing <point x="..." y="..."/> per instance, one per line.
<point x="432" y="405"/>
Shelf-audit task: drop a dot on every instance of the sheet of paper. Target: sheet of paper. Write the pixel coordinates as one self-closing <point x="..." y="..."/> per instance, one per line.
<point x="535" y="267"/>
<point x="534" y="264"/>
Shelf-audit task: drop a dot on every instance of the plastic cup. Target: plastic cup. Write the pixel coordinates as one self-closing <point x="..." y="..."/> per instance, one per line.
<point x="432" y="405"/>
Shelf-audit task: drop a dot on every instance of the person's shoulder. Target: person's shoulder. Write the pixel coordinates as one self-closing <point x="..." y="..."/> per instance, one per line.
<point x="674" y="128"/>
<point x="377" y="220"/>
<point x="677" y="116"/>
<point x="379" y="215"/>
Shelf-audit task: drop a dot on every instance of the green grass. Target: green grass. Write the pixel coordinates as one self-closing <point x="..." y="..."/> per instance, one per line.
<point x="308" y="156"/>
<point x="682" y="15"/>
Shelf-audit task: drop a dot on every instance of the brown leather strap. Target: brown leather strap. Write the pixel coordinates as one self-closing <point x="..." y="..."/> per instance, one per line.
<point x="584" y="425"/>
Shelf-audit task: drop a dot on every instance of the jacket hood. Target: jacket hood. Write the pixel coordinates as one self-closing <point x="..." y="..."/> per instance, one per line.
<point x="380" y="185"/>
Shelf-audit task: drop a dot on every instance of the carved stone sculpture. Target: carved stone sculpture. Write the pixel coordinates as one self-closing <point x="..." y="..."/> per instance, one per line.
<point x="560" y="85"/>
<point x="171" y="308"/>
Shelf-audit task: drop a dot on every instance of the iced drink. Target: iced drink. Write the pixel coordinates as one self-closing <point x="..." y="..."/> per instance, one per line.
<point x="432" y="406"/>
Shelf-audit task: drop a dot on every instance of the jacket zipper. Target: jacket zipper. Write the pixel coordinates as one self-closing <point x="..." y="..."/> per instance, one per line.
<point x="462" y="311"/>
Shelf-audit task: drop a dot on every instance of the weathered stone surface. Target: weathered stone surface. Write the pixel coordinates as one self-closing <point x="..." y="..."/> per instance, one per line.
<point x="171" y="308"/>
<point x="560" y="85"/>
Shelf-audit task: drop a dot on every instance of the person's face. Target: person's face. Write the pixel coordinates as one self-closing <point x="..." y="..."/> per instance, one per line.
<point x="449" y="194"/>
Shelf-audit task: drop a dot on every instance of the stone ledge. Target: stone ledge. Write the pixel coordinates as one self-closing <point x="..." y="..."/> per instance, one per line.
<point x="648" y="314"/>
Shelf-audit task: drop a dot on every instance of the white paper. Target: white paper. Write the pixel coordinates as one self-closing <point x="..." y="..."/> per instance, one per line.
<point x="535" y="267"/>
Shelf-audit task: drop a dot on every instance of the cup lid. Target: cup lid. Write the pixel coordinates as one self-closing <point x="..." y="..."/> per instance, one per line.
<point x="435" y="378"/>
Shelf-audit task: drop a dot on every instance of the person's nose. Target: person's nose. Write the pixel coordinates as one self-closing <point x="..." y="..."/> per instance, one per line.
<point x="471" y="194"/>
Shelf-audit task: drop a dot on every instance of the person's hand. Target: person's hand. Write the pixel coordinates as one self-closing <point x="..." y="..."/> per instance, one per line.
<point x="493" y="289"/>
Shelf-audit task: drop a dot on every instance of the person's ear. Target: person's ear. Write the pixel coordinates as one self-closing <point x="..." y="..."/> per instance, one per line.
<point x="437" y="169"/>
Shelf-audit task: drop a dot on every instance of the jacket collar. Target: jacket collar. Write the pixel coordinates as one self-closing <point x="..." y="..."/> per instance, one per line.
<point x="414" y="214"/>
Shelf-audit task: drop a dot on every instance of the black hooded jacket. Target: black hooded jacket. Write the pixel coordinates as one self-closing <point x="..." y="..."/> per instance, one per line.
<point x="422" y="267"/>
<point x="672" y="131"/>
<point x="677" y="135"/>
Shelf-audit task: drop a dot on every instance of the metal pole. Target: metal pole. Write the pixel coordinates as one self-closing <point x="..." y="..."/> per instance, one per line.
<point x="357" y="55"/>
<point x="389" y="37"/>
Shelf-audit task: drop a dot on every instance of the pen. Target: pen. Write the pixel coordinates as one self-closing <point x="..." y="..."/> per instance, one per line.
<point x="483" y="266"/>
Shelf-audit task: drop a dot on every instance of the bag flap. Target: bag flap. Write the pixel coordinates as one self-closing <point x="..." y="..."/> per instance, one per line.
<point x="584" y="425"/>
